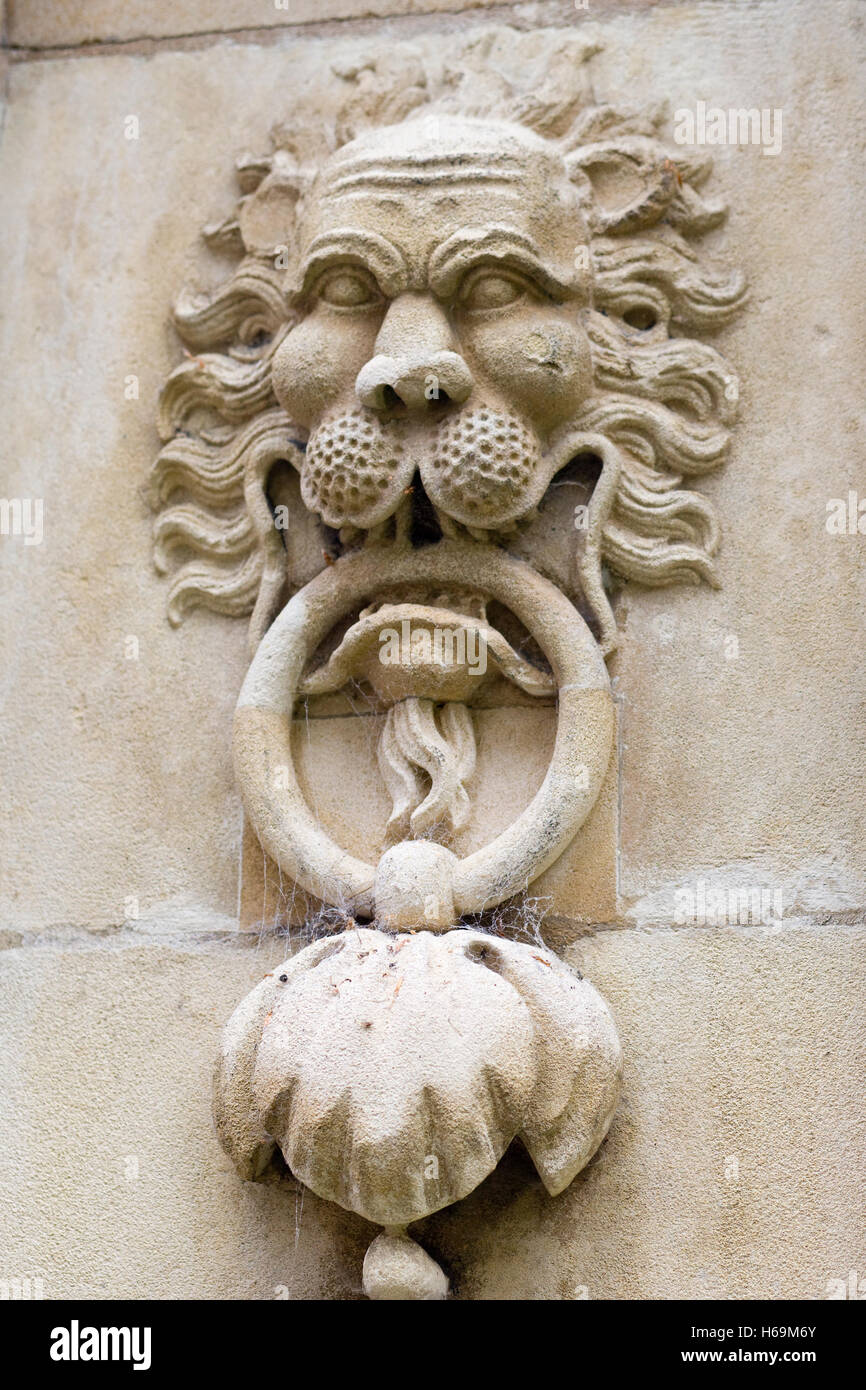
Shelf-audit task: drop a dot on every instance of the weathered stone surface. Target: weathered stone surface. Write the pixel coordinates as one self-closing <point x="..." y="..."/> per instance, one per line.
<point x="394" y="1070"/>
<point x="396" y="1269"/>
<point x="113" y="1183"/>
<point x="739" y="706"/>
<point x="54" y="23"/>
<point x="732" y="1166"/>
<point x="117" y="786"/>
<point x="739" y="1045"/>
<point x="744" y="769"/>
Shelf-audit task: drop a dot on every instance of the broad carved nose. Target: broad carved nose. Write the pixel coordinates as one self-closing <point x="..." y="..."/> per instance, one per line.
<point x="415" y="366"/>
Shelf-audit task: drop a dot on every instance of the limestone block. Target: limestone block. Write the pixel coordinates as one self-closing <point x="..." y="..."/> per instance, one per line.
<point x="689" y="720"/>
<point x="54" y="23"/>
<point x="732" y="1166"/>
<point x="113" y="1183"/>
<point x="741" y="750"/>
<point x="117" y="786"/>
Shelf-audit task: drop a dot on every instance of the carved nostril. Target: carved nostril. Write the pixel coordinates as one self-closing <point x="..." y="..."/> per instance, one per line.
<point x="429" y="381"/>
<point x="374" y="385"/>
<point x="388" y="398"/>
<point x="417" y="389"/>
<point x="450" y="376"/>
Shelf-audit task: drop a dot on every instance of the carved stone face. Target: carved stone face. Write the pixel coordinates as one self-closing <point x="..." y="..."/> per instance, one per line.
<point x="442" y="288"/>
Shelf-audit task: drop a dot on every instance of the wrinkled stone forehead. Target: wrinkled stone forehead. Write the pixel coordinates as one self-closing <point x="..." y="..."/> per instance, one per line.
<point x="422" y="179"/>
<point x="432" y="149"/>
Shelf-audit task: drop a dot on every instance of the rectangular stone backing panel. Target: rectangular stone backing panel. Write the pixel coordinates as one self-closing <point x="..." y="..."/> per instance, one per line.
<point x="338" y="772"/>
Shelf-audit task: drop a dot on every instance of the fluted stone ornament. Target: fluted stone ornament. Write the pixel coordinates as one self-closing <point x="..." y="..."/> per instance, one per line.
<point x="449" y="288"/>
<point x="393" y="1070"/>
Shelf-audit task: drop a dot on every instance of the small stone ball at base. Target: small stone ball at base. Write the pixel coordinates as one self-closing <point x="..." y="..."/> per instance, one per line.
<point x="395" y="1267"/>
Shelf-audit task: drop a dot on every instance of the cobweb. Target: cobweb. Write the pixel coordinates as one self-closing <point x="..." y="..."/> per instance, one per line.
<point x="292" y="914"/>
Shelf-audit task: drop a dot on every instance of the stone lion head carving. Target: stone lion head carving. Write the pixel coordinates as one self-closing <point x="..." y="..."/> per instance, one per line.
<point x="443" y="294"/>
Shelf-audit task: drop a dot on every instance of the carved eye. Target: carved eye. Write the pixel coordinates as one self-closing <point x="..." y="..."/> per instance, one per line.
<point x="490" y="289"/>
<point x="348" y="288"/>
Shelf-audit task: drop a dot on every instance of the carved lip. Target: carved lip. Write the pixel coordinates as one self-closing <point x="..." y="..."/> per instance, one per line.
<point x="409" y="649"/>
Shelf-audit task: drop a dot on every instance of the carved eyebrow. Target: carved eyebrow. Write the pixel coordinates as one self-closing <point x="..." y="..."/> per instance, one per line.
<point x="355" y="247"/>
<point x="419" y="170"/>
<point x="505" y="246"/>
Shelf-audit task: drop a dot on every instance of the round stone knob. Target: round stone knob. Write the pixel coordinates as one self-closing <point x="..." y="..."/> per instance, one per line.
<point x="414" y="887"/>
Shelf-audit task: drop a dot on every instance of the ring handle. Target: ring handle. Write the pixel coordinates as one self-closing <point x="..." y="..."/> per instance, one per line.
<point x="264" y="765"/>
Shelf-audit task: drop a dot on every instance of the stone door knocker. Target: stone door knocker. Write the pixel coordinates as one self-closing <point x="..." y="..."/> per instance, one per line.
<point x="422" y="1059"/>
<point x="453" y="392"/>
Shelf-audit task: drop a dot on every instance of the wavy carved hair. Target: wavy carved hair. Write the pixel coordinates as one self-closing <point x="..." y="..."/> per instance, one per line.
<point x="664" y="399"/>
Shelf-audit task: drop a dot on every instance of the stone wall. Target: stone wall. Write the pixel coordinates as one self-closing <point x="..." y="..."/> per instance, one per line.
<point x="134" y="911"/>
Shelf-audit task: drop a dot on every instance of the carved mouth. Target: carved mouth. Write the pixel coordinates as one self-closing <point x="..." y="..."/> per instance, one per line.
<point x="410" y="650"/>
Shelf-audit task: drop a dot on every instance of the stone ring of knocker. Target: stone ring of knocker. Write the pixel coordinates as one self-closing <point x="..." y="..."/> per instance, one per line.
<point x="419" y="883"/>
